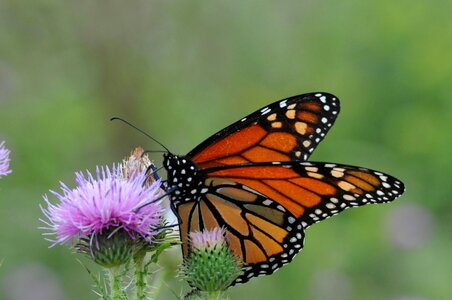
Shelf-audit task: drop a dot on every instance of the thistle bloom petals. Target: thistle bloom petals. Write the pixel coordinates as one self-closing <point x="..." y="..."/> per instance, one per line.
<point x="103" y="202"/>
<point x="208" y="239"/>
<point x="4" y="160"/>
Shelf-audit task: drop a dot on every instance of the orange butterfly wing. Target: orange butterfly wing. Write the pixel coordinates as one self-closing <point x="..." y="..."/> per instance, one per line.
<point x="266" y="207"/>
<point x="286" y="130"/>
<point x="260" y="187"/>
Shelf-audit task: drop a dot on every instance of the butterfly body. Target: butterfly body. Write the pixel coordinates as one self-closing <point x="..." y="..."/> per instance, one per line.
<point x="253" y="179"/>
<point x="183" y="175"/>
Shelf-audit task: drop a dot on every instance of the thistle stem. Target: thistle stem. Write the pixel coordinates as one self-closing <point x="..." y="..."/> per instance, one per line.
<point x="214" y="295"/>
<point x="140" y="277"/>
<point x="115" y="283"/>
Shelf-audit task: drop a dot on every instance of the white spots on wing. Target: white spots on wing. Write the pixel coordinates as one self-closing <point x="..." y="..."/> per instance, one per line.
<point x="307" y="143"/>
<point x="281" y="208"/>
<point x="324" y="120"/>
<point x="330" y="206"/>
<point x="348" y="197"/>
<point x="283" y="103"/>
<point x="291" y="220"/>
<point x="386" y="185"/>
<point x="326" y="107"/>
<point x="292" y="106"/>
<point x="265" y="110"/>
<point x="267" y="202"/>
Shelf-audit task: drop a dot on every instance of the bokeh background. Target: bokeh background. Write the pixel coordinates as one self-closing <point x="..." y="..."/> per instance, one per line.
<point x="182" y="70"/>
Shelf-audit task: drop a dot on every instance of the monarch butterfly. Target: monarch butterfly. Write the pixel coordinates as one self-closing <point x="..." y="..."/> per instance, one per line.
<point x="253" y="179"/>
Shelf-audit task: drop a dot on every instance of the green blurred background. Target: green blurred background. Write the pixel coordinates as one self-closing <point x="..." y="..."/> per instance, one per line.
<point x="182" y="70"/>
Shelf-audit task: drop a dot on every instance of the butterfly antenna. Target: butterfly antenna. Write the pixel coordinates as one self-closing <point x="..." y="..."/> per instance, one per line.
<point x="142" y="131"/>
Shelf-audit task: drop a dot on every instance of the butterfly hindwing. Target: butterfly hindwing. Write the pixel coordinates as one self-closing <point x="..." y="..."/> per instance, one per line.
<point x="265" y="208"/>
<point x="285" y="130"/>
<point x="258" y="229"/>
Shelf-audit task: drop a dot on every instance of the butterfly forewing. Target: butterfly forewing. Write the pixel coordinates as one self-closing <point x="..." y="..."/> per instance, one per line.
<point x="286" y="130"/>
<point x="313" y="191"/>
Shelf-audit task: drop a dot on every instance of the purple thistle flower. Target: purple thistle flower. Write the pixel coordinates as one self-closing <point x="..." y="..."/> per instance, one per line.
<point x="104" y="203"/>
<point x="4" y="160"/>
<point x="207" y="239"/>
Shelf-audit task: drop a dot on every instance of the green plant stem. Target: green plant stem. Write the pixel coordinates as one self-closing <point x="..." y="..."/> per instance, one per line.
<point x="115" y="283"/>
<point x="214" y="295"/>
<point x="140" y="277"/>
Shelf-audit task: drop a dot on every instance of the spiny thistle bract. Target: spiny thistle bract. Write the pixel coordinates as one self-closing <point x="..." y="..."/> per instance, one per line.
<point x="210" y="265"/>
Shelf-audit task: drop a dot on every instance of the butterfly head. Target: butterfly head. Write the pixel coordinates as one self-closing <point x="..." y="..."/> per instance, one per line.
<point x="183" y="177"/>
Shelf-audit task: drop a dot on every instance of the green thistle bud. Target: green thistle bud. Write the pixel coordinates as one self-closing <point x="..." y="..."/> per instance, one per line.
<point x="210" y="265"/>
<point x="109" y="249"/>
